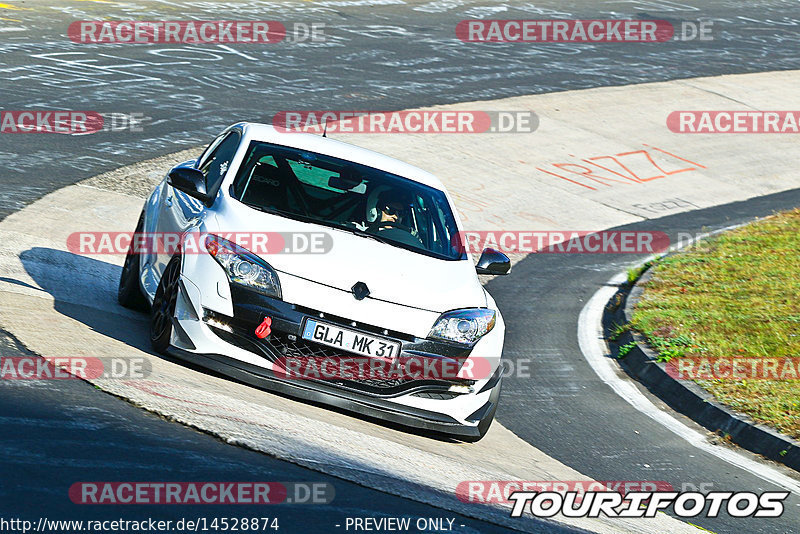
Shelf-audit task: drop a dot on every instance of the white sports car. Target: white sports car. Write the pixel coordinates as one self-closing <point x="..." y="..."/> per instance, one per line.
<point x="394" y="293"/>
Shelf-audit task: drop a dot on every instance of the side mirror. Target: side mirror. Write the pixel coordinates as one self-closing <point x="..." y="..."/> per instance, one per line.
<point x="190" y="181"/>
<point x="493" y="262"/>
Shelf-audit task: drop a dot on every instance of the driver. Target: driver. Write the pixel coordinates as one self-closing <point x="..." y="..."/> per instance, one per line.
<point x="394" y="220"/>
<point x="391" y="213"/>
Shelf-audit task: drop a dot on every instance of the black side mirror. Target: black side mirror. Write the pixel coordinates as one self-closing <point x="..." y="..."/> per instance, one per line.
<point x="190" y="181"/>
<point x="493" y="262"/>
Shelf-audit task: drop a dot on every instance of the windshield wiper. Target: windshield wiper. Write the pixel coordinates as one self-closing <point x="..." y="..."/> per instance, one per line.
<point x="289" y="214"/>
<point x="362" y="233"/>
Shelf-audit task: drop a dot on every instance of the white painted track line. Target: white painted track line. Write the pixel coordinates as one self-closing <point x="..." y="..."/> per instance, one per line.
<point x="594" y="349"/>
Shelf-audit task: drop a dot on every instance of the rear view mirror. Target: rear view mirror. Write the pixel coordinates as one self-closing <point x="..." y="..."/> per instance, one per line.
<point x="347" y="180"/>
<point x="493" y="262"/>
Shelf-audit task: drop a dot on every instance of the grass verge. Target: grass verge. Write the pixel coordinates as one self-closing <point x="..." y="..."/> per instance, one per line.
<point x="734" y="295"/>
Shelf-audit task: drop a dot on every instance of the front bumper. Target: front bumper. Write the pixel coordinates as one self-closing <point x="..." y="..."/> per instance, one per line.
<point x="383" y="410"/>
<point x="228" y="345"/>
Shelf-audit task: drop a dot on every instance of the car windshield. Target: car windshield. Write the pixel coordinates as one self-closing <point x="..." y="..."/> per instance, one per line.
<point x="333" y="192"/>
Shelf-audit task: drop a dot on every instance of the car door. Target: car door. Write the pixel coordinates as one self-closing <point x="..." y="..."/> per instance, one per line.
<point x="178" y="211"/>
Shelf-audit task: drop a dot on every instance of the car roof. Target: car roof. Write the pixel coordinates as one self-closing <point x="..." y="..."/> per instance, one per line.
<point x="331" y="147"/>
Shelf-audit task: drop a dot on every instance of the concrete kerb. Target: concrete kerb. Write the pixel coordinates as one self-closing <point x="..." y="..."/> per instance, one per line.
<point x="686" y="396"/>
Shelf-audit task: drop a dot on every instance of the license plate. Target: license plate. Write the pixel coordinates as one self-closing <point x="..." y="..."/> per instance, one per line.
<point x="349" y="340"/>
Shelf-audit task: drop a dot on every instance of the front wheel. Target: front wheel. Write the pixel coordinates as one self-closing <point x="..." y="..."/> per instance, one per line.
<point x="163" y="309"/>
<point x="129" y="293"/>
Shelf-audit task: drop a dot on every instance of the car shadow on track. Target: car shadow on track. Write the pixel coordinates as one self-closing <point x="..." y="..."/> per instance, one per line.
<point x="85" y="290"/>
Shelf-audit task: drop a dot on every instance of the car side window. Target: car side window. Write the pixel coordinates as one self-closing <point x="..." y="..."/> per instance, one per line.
<point x="215" y="164"/>
<point x="208" y="150"/>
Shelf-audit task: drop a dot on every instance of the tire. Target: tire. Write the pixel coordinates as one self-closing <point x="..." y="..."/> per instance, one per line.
<point x="163" y="308"/>
<point x="129" y="293"/>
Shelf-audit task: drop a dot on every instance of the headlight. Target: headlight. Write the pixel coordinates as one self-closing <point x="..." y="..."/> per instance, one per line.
<point x="464" y="326"/>
<point x="243" y="267"/>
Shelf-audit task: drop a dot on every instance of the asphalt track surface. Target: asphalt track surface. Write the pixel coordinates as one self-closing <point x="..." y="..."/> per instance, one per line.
<point x="57" y="433"/>
<point x="566" y="411"/>
<point x="388" y="57"/>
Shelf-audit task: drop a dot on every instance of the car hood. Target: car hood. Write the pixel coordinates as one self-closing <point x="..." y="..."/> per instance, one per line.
<point x="392" y="274"/>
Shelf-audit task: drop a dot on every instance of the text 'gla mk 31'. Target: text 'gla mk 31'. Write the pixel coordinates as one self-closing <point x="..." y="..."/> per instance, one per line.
<point x="390" y="321"/>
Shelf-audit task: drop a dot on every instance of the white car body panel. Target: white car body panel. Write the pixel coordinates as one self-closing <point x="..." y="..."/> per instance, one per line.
<point x="408" y="290"/>
<point x="393" y="274"/>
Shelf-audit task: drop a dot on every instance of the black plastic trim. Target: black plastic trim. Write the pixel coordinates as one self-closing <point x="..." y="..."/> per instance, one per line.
<point x="315" y="392"/>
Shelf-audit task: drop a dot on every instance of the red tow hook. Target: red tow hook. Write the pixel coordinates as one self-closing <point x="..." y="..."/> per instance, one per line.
<point x="264" y="329"/>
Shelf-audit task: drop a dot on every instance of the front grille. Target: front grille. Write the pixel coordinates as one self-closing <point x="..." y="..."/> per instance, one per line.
<point x="282" y="345"/>
<point x="300" y="348"/>
<point x="440" y="395"/>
